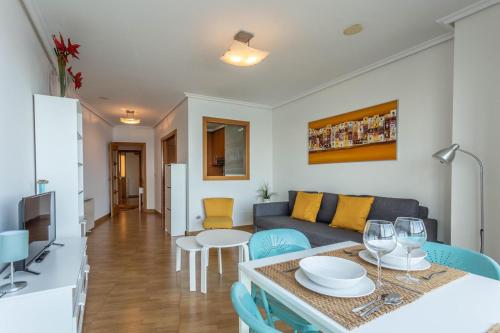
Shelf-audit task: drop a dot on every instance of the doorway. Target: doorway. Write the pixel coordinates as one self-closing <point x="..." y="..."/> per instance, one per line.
<point x="127" y="169"/>
<point x="169" y="156"/>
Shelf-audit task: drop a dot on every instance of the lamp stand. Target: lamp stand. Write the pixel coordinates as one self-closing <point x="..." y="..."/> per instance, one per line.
<point x="12" y="286"/>
<point x="481" y="190"/>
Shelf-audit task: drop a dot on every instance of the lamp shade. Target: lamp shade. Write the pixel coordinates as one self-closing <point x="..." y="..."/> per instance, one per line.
<point x="240" y="54"/>
<point x="446" y="155"/>
<point x="13" y="245"/>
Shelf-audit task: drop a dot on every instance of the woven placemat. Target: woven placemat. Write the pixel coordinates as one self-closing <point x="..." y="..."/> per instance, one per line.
<point x="339" y="309"/>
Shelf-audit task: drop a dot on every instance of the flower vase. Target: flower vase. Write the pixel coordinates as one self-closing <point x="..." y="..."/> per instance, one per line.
<point x="62" y="78"/>
<point x="41" y="188"/>
<point x="266" y="200"/>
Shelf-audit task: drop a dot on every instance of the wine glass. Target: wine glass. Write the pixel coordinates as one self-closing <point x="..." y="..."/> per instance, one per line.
<point x="411" y="234"/>
<point x="379" y="238"/>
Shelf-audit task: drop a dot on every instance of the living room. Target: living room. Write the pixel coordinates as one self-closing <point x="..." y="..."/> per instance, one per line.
<point x="427" y="74"/>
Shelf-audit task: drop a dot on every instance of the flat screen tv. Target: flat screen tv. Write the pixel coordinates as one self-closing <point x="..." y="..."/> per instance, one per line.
<point x="37" y="215"/>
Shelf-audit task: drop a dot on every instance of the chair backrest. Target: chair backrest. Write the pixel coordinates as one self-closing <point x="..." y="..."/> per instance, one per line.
<point x="463" y="259"/>
<point x="247" y="310"/>
<point x="218" y="207"/>
<point x="273" y="242"/>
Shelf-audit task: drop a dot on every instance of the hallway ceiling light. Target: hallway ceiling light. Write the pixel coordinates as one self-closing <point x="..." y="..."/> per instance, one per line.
<point x="130" y="118"/>
<point x="241" y="54"/>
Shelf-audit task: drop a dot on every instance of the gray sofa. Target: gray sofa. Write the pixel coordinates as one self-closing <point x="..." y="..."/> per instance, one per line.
<point x="277" y="215"/>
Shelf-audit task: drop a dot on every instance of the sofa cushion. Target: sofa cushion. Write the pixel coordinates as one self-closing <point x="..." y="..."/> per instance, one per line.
<point x="326" y="210"/>
<point x="318" y="233"/>
<point x="307" y="206"/>
<point x="352" y="212"/>
<point x="389" y="209"/>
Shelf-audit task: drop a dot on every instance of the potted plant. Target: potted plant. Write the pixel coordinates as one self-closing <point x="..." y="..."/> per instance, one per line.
<point x="264" y="193"/>
<point x="63" y="51"/>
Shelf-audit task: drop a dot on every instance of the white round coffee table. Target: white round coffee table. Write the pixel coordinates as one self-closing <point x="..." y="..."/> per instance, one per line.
<point x="219" y="239"/>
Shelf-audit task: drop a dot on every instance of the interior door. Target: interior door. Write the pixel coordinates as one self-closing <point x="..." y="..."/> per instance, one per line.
<point x="169" y="156"/>
<point x="114" y="179"/>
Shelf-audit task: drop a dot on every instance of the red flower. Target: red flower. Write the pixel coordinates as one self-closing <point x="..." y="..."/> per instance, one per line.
<point x="60" y="47"/>
<point x="77" y="78"/>
<point x="73" y="49"/>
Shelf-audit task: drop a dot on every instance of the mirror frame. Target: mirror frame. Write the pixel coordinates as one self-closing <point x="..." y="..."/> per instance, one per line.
<point x="245" y="124"/>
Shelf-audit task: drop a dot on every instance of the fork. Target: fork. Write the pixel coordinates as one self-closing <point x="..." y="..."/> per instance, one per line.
<point x="430" y="276"/>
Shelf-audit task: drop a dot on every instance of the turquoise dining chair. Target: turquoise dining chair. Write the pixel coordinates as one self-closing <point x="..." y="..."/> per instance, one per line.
<point x="247" y="310"/>
<point x="270" y="243"/>
<point x="463" y="259"/>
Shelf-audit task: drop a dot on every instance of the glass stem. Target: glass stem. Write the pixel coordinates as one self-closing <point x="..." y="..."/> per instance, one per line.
<point x="408" y="263"/>
<point x="379" y="272"/>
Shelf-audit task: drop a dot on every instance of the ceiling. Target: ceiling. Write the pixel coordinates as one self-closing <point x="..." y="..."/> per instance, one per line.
<point x="144" y="54"/>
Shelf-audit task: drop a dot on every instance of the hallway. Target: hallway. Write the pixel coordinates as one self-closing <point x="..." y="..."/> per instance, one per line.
<point x="133" y="286"/>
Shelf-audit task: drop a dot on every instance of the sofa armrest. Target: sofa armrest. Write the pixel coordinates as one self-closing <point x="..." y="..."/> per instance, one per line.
<point x="431" y="227"/>
<point x="270" y="209"/>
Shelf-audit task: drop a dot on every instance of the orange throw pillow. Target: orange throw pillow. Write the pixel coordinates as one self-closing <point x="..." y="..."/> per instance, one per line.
<point x="306" y="206"/>
<point x="352" y="212"/>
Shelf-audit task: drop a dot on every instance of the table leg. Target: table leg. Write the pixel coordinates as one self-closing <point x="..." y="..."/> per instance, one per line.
<point x="204" y="256"/>
<point x="245" y="280"/>
<point x="208" y="256"/>
<point x="240" y="253"/>
<point x="246" y="252"/>
<point x="192" y="270"/>
<point x="219" y="254"/>
<point x="178" y="259"/>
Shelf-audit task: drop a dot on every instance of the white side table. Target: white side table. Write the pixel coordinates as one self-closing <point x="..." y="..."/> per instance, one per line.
<point x="219" y="239"/>
<point x="188" y="244"/>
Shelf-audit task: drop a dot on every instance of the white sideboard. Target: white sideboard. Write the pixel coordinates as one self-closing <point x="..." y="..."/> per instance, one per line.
<point x="175" y="199"/>
<point x="54" y="301"/>
<point x="59" y="159"/>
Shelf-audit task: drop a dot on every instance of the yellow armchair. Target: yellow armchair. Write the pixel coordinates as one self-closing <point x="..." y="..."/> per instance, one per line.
<point x="218" y="213"/>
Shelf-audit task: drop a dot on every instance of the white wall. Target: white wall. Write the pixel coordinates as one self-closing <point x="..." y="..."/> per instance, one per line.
<point x="131" y="133"/>
<point x="422" y="83"/>
<point x="476" y="123"/>
<point x="177" y="119"/>
<point x="97" y="134"/>
<point x="243" y="191"/>
<point x="25" y="70"/>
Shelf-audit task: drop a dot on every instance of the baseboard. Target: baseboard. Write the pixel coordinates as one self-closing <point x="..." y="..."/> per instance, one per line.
<point x="150" y="211"/>
<point x="102" y="219"/>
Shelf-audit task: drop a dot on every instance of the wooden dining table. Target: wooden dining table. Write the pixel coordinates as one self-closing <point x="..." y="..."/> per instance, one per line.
<point x="469" y="304"/>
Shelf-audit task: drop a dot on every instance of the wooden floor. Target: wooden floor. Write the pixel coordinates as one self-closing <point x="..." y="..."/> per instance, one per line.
<point x="133" y="286"/>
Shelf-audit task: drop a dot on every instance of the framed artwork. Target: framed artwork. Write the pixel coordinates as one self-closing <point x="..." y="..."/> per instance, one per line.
<point x="369" y="134"/>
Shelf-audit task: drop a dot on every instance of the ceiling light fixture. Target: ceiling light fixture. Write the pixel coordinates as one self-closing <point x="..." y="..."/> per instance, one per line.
<point x="130" y="119"/>
<point x="353" y="29"/>
<point x="241" y="54"/>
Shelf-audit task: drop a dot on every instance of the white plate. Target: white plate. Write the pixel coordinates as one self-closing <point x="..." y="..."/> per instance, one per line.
<point x="363" y="288"/>
<point x="398" y="257"/>
<point x="421" y="266"/>
<point x="332" y="272"/>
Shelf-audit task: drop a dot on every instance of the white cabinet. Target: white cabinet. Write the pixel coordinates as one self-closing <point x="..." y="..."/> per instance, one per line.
<point x="54" y="301"/>
<point x="175" y="199"/>
<point x="59" y="159"/>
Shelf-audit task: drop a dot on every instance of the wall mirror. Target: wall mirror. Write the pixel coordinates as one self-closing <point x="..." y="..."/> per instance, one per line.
<point x="226" y="151"/>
